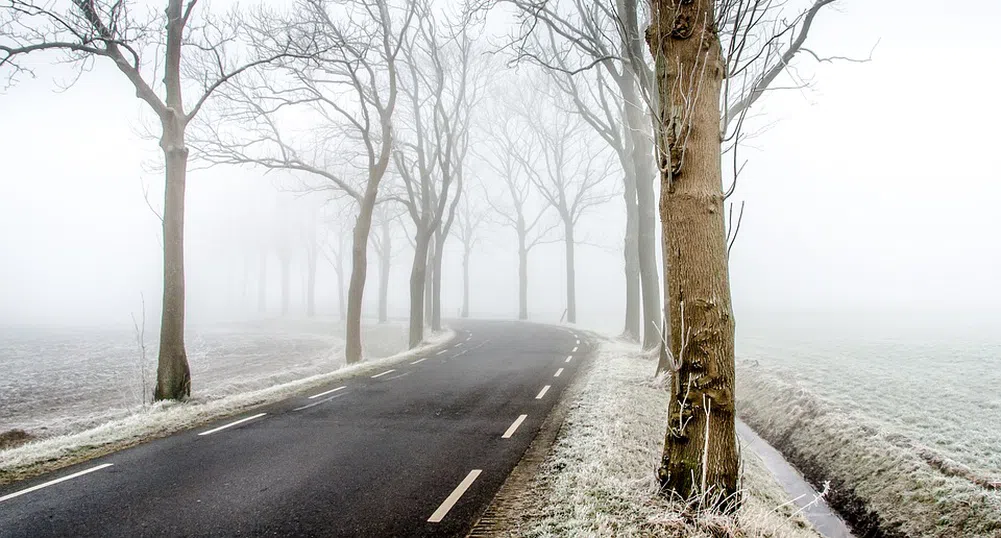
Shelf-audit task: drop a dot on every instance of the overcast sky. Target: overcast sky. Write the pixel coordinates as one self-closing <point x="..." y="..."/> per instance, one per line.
<point x="873" y="190"/>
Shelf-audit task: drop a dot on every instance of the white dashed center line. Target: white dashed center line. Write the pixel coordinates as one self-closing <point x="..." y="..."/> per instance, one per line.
<point x="449" y="502"/>
<point x="542" y="392"/>
<point x="440" y="352"/>
<point x="514" y="426"/>
<point x="323" y="401"/>
<point x="558" y="372"/>
<point x="569" y="358"/>
<point x="397" y="376"/>
<point x="574" y="349"/>
<point x="391" y="370"/>
<point x="53" y="482"/>
<point x="419" y="360"/>
<point x="327" y="392"/>
<point x="234" y="423"/>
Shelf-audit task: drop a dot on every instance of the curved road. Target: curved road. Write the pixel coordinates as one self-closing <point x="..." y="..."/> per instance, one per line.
<point x="418" y="450"/>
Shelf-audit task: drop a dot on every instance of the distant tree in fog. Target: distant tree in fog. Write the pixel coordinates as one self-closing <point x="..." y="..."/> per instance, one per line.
<point x="344" y="86"/>
<point x="386" y="219"/>
<point x="84" y="31"/>
<point x="469" y="218"/>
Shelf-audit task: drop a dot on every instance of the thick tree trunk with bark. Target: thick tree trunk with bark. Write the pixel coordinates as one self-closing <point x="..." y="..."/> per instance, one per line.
<point x="428" y="275"/>
<point x="571" y="272"/>
<point x="173" y="377"/>
<point x="359" y="268"/>
<point x="439" y="255"/>
<point x="418" y="281"/>
<point x="465" y="281"/>
<point x="700" y="452"/>
<point x="384" y="261"/>
<point x="631" y="331"/>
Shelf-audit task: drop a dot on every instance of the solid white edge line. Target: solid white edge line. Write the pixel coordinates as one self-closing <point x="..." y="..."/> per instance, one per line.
<point x="514" y="426"/>
<point x="569" y="358"/>
<point x="391" y="370"/>
<point x="450" y="501"/>
<point x="558" y="372"/>
<point x="234" y="423"/>
<point x="342" y="387"/>
<point x="53" y="482"/>
<point x="419" y="360"/>
<point x="323" y="401"/>
<point x="542" y="392"/>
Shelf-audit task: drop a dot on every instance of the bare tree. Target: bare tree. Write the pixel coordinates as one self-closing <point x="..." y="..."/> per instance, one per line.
<point x="348" y="86"/>
<point x="469" y="218"/>
<point x="196" y="52"/>
<point x="573" y="172"/>
<point x="383" y="245"/>
<point x="335" y="247"/>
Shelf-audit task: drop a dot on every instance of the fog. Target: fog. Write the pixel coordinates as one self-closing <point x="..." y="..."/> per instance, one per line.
<point x="870" y="191"/>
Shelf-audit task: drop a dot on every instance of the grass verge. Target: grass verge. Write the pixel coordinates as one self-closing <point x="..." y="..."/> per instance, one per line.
<point x="884" y="484"/>
<point x="598" y="478"/>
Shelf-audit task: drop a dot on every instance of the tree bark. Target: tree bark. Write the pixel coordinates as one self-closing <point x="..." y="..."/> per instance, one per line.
<point x="465" y="282"/>
<point x="571" y="273"/>
<point x="700" y="453"/>
<point x="522" y="273"/>
<point x="417" y="285"/>
<point x="631" y="330"/>
<point x="359" y="268"/>
<point x="173" y="377"/>
<point x="439" y="254"/>
<point x="384" y="261"/>
<point x="428" y="275"/>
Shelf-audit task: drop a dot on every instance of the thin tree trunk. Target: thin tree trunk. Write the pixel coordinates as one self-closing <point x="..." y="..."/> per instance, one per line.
<point x="262" y="283"/>
<point x="385" y="257"/>
<point x="311" y="284"/>
<point x="439" y="254"/>
<point x="522" y="276"/>
<point x="700" y="452"/>
<point x="571" y="274"/>
<point x="173" y="377"/>
<point x="359" y="268"/>
<point x="631" y="331"/>
<point x="286" y="284"/>
<point x="465" y="282"/>
<point x="417" y="283"/>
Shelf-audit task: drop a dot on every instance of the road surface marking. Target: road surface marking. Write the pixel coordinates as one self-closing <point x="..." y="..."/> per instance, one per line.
<point x="323" y="401"/>
<point x="514" y="426"/>
<point x="440" y="352"/>
<point x="327" y="392"/>
<point x="558" y="372"/>
<point x="391" y="370"/>
<point x="542" y="392"/>
<point x="397" y="376"/>
<point x="419" y="360"/>
<point x="234" y="423"/>
<point x="578" y="342"/>
<point x="457" y="345"/>
<point x="448" y="503"/>
<point x="574" y="349"/>
<point x="468" y="336"/>
<point x="53" y="482"/>
<point x="569" y="358"/>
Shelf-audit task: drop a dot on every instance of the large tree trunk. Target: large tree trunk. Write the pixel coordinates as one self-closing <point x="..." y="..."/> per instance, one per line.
<point x="359" y="268"/>
<point x="262" y="283"/>
<point x="417" y="284"/>
<point x="571" y="273"/>
<point x="439" y="254"/>
<point x="173" y="377"/>
<point x="522" y="275"/>
<point x="700" y="452"/>
<point x="631" y="330"/>
<point x="428" y="275"/>
<point x="385" y="258"/>
<point x="465" y="282"/>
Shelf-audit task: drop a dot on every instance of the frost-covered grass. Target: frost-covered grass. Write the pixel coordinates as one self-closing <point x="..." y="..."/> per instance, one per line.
<point x="901" y="413"/>
<point x="599" y="478"/>
<point x="165" y="418"/>
<point x="57" y="382"/>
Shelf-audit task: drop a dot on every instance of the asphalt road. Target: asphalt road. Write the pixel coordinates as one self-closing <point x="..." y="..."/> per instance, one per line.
<point x="386" y="455"/>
